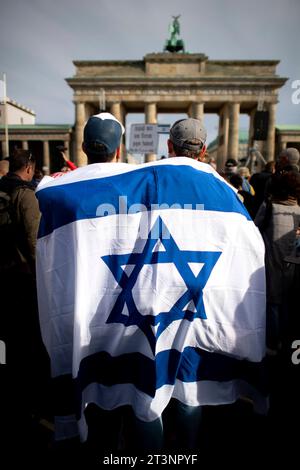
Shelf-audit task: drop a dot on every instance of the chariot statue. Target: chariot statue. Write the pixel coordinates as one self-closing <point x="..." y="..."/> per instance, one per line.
<point x="174" y="43"/>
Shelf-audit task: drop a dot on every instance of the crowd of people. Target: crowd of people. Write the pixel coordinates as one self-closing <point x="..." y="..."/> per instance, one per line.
<point x="272" y="201"/>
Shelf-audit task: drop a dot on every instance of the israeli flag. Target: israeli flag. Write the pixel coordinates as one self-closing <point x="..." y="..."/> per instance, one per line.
<point x="151" y="285"/>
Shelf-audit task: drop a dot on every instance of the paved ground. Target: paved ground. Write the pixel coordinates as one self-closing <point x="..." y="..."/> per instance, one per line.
<point x="231" y="435"/>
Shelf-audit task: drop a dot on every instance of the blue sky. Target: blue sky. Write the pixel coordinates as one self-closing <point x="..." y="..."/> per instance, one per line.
<point x="40" y="39"/>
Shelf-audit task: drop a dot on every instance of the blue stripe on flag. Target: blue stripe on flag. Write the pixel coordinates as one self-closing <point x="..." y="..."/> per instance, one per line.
<point x="162" y="184"/>
<point x="192" y="365"/>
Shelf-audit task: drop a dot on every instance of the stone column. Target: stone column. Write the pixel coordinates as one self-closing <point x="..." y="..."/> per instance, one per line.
<point x="254" y="164"/>
<point x="223" y="137"/>
<point x="283" y="146"/>
<point x="117" y="110"/>
<point x="151" y="113"/>
<point x="196" y="110"/>
<point x="233" y="140"/>
<point x="270" y="142"/>
<point x="80" y="157"/>
<point x="25" y="145"/>
<point x="251" y="128"/>
<point x="123" y="153"/>
<point x="150" y="118"/>
<point x="46" y="157"/>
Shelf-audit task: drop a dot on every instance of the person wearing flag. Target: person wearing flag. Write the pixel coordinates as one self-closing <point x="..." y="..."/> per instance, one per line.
<point x="151" y="286"/>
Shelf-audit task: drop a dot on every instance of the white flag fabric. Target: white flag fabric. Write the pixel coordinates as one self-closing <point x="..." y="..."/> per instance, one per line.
<point x="151" y="285"/>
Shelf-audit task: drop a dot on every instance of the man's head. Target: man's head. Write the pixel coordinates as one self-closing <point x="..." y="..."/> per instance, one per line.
<point x="187" y="139"/>
<point x="244" y="172"/>
<point x="22" y="163"/>
<point x="102" y="138"/>
<point x="285" y="185"/>
<point x="270" y="166"/>
<point x="236" y="180"/>
<point x="4" y="165"/>
<point x="231" y="166"/>
<point x="288" y="156"/>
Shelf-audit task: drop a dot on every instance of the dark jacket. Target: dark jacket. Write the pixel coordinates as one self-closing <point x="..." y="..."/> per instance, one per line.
<point x="259" y="182"/>
<point x="26" y="216"/>
<point x="278" y="223"/>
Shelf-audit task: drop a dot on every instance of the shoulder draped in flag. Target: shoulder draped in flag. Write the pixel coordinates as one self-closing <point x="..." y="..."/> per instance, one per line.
<point x="151" y="286"/>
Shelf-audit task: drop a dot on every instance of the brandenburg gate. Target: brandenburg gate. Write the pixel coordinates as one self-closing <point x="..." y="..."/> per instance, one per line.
<point x="180" y="83"/>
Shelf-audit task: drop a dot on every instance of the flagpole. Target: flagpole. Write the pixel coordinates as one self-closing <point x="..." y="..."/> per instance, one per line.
<point x="5" y="117"/>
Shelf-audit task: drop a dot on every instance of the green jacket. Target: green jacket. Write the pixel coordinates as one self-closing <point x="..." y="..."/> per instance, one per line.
<point x="20" y="254"/>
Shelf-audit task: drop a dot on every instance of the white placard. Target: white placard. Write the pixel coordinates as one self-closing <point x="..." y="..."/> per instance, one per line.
<point x="143" y="138"/>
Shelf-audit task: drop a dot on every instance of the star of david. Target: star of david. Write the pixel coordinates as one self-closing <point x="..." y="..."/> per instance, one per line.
<point x="189" y="306"/>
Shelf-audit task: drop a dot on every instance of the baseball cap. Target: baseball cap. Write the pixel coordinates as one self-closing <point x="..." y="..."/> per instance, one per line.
<point x="189" y="134"/>
<point x="231" y="163"/>
<point x="105" y="129"/>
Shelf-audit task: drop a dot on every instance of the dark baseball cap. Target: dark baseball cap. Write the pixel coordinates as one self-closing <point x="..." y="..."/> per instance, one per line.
<point x="230" y="163"/>
<point x="103" y="129"/>
<point x="189" y="134"/>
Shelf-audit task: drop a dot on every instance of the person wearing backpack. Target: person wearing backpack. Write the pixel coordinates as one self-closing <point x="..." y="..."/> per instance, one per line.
<point x="278" y="219"/>
<point x="21" y="377"/>
<point x="19" y="215"/>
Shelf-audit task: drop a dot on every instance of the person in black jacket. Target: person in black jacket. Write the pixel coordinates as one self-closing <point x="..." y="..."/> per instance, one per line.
<point x="26" y="365"/>
<point x="259" y="182"/>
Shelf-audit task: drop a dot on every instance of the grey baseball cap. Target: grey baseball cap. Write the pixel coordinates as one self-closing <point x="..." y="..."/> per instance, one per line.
<point x="189" y="134"/>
